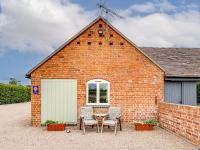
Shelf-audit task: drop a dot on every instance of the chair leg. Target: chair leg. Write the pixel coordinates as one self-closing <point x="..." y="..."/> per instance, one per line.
<point x="120" y="125"/>
<point x="97" y="128"/>
<point x="115" y="128"/>
<point x="83" y="128"/>
<point x="102" y="128"/>
<point x="80" y="123"/>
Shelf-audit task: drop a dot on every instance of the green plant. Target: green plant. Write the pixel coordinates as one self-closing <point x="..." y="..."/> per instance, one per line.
<point x="14" y="94"/>
<point x="52" y="122"/>
<point x="150" y="121"/>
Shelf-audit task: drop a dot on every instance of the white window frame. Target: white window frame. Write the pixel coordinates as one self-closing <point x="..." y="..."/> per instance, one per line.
<point x="97" y="81"/>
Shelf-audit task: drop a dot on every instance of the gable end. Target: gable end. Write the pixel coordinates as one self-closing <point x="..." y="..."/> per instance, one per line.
<point x="28" y="74"/>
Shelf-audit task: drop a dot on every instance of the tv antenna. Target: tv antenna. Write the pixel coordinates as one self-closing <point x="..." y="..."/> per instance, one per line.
<point x="103" y="9"/>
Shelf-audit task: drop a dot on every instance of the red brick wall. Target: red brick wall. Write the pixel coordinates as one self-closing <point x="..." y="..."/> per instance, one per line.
<point x="135" y="81"/>
<point x="181" y="119"/>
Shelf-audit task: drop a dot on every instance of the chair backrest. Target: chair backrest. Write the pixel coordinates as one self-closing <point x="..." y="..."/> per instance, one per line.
<point x="114" y="113"/>
<point x="86" y="113"/>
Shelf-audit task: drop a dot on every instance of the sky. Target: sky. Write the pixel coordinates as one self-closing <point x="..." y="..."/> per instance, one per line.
<point x="31" y="29"/>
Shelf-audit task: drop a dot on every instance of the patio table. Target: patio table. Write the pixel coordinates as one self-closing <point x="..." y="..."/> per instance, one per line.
<point x="100" y="116"/>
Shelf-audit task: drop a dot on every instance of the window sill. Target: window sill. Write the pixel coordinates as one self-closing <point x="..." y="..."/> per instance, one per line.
<point x="98" y="105"/>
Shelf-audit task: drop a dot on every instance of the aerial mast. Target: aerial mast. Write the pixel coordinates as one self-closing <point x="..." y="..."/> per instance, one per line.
<point x="103" y="9"/>
<point x="106" y="12"/>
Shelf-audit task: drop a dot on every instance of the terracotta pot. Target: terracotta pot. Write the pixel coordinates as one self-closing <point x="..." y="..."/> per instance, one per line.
<point x="143" y="127"/>
<point x="56" y="127"/>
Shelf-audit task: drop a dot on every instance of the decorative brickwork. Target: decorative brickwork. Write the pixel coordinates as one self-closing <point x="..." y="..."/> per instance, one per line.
<point x="184" y="120"/>
<point x="136" y="83"/>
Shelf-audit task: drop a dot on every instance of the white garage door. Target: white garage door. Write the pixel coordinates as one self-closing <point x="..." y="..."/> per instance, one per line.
<point x="59" y="100"/>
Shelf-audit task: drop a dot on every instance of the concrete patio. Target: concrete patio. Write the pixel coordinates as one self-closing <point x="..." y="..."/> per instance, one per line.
<point x="16" y="133"/>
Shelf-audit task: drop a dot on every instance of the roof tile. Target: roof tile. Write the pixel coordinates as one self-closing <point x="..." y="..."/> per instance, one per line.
<point x="177" y="62"/>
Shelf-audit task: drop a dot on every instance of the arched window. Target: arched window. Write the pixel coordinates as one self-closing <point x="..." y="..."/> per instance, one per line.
<point x="98" y="92"/>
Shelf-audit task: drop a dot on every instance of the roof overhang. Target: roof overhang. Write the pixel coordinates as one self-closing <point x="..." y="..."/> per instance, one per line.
<point x="178" y="78"/>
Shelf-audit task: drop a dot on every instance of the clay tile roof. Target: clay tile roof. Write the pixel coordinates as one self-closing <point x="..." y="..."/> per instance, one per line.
<point x="177" y="62"/>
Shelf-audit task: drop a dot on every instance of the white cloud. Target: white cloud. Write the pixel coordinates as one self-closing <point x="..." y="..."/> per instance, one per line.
<point x="146" y="8"/>
<point x="165" y="6"/>
<point x="149" y="7"/>
<point x="162" y="30"/>
<point x="41" y="26"/>
<point x="35" y="25"/>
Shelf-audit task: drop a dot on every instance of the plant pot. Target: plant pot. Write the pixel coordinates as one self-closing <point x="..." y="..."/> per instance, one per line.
<point x="56" y="127"/>
<point x="143" y="127"/>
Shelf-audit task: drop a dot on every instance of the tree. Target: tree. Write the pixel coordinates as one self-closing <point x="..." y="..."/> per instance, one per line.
<point x="13" y="81"/>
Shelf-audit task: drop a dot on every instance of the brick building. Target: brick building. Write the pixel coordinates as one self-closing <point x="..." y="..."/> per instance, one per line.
<point x="100" y="67"/>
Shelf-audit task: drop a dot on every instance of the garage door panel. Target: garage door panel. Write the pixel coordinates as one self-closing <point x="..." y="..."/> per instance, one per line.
<point x="72" y="86"/>
<point x="173" y="92"/>
<point x="59" y="100"/>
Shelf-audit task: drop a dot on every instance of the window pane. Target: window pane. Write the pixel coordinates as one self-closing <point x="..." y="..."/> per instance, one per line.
<point x="103" y="93"/>
<point x="92" y="92"/>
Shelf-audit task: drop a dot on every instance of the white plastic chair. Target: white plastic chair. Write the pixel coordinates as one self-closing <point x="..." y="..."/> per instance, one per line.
<point x="87" y="118"/>
<point x="113" y="115"/>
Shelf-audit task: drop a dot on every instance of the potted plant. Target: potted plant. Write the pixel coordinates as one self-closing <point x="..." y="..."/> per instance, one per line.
<point x="145" y="125"/>
<point x="55" y="125"/>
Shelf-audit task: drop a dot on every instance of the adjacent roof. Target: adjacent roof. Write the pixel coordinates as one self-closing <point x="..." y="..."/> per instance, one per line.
<point x="78" y="34"/>
<point x="177" y="62"/>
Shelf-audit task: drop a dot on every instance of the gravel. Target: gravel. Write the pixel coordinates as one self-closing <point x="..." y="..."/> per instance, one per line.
<point x="17" y="134"/>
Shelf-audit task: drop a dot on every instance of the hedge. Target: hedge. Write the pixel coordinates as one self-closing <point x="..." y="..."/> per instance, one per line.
<point x="10" y="94"/>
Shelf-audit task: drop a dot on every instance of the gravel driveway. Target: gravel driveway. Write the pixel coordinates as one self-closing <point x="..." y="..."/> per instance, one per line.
<point x="17" y="134"/>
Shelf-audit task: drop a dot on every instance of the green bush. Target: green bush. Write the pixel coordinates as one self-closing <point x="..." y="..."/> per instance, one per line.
<point x="10" y="94"/>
